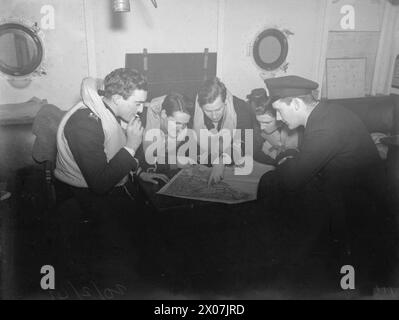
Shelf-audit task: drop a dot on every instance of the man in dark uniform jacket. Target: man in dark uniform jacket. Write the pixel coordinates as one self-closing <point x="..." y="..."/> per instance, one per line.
<point x="336" y="176"/>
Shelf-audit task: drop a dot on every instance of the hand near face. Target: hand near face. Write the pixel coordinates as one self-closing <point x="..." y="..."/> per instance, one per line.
<point x="216" y="174"/>
<point x="134" y="133"/>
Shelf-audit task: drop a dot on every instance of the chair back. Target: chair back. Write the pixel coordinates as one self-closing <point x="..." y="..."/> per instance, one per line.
<point x="45" y="128"/>
<point x="44" y="149"/>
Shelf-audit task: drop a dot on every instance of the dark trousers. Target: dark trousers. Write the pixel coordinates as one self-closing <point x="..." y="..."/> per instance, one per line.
<point x="351" y="214"/>
<point x="100" y="234"/>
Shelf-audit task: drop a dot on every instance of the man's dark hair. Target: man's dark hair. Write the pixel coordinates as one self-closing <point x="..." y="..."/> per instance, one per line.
<point x="123" y="82"/>
<point x="175" y="102"/>
<point x="210" y="90"/>
<point x="260" y="103"/>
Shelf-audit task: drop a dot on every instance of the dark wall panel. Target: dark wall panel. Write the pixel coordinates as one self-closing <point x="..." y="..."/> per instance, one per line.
<point x="181" y="72"/>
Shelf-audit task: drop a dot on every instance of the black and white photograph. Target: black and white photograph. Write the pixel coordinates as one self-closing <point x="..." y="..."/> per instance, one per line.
<point x="199" y="151"/>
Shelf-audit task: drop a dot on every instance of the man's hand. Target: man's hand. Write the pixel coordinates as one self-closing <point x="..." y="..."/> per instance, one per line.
<point x="134" y="133"/>
<point x="216" y="174"/>
<point x="185" y="162"/>
<point x="152" y="177"/>
<point x="183" y="166"/>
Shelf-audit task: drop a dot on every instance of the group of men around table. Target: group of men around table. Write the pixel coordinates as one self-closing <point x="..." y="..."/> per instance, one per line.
<point x="327" y="167"/>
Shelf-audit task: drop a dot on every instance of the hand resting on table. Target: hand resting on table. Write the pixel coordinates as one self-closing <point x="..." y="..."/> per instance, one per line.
<point x="155" y="178"/>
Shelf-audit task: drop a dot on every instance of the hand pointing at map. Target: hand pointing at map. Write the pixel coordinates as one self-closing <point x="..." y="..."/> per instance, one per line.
<point x="217" y="174"/>
<point x="185" y="162"/>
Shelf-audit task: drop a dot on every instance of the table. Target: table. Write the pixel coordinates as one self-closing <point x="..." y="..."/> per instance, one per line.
<point x="162" y="203"/>
<point x="392" y="141"/>
<point x="204" y="239"/>
<point x="187" y="215"/>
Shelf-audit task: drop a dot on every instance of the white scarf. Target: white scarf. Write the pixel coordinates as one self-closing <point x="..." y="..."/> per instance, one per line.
<point x="207" y="138"/>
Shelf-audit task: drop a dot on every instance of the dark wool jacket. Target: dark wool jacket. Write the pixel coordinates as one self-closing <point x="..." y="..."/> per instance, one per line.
<point x="336" y="148"/>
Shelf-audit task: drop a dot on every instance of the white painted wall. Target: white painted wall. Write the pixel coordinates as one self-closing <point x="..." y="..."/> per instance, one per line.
<point x="90" y="39"/>
<point x="387" y="51"/>
<point x="175" y="26"/>
<point x="368" y="14"/>
<point x="226" y="26"/>
<point x="66" y="53"/>
<point x="364" y="41"/>
<point x="395" y="53"/>
<point x="244" y="19"/>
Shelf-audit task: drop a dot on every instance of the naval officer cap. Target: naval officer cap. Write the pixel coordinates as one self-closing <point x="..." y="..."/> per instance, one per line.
<point x="289" y="86"/>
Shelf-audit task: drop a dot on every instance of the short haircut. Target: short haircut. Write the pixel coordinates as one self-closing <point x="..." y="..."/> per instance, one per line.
<point x="260" y="103"/>
<point x="307" y="99"/>
<point x="123" y="82"/>
<point x="265" y="109"/>
<point x="175" y="102"/>
<point x="210" y="90"/>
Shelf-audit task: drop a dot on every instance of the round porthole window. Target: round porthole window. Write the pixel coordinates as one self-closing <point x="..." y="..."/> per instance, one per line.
<point x="21" y="50"/>
<point x="270" y="49"/>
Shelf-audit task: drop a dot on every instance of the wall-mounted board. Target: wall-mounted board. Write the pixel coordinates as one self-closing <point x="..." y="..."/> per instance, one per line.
<point x="343" y="45"/>
<point x="346" y="78"/>
<point x="180" y="72"/>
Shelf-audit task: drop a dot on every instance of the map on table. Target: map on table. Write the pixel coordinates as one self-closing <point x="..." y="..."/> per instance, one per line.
<point x="192" y="183"/>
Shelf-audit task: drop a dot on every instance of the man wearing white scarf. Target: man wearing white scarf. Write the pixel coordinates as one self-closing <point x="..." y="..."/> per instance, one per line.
<point x="95" y="156"/>
<point x="94" y="151"/>
<point x="217" y="115"/>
